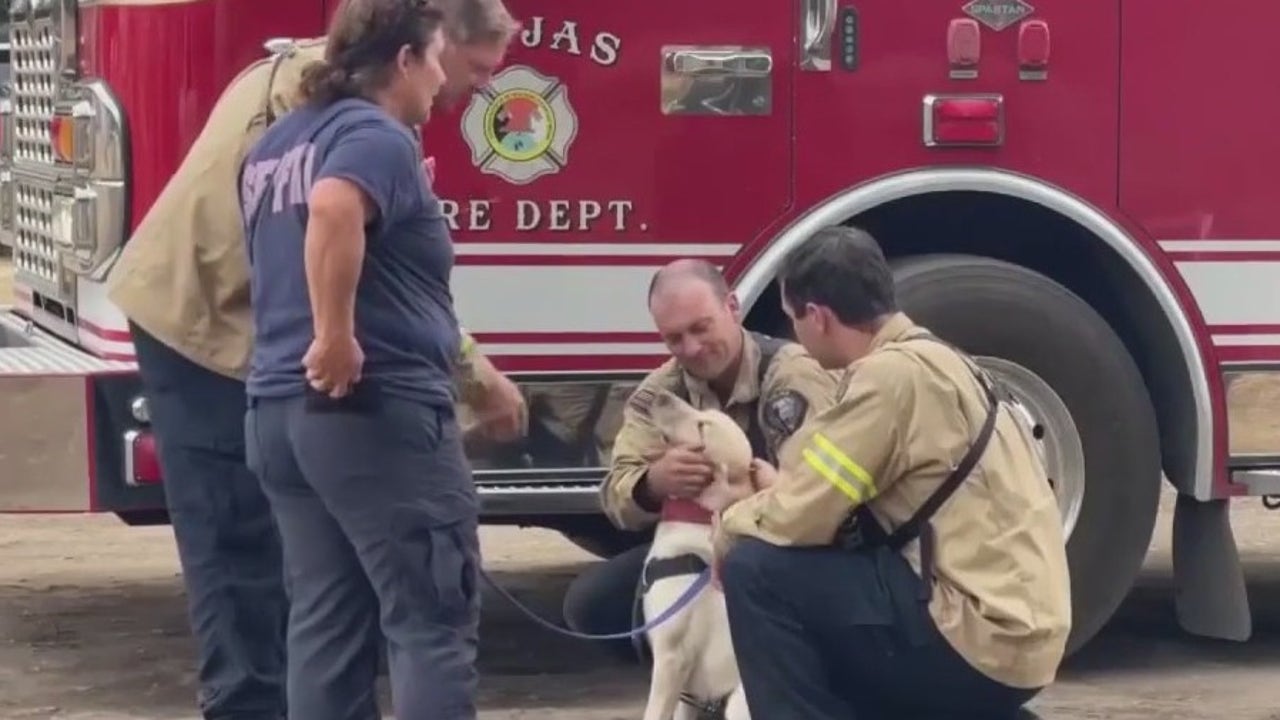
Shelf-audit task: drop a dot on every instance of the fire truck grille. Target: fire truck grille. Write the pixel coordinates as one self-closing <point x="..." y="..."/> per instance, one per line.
<point x="35" y="257"/>
<point x="35" y="78"/>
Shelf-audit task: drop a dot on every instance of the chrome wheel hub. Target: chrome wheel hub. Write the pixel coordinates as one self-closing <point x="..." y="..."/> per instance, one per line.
<point x="1061" y="449"/>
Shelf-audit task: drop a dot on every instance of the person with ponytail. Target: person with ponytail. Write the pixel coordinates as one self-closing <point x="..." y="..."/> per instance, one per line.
<point x="351" y="426"/>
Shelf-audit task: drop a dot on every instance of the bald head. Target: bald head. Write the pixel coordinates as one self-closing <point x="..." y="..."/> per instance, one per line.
<point x="696" y="316"/>
<point x="685" y="270"/>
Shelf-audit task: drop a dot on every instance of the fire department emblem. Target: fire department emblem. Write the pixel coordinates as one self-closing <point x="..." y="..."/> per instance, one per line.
<point x="520" y="126"/>
<point x="998" y="14"/>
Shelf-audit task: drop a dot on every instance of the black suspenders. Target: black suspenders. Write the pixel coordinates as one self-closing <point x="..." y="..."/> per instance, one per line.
<point x="769" y="347"/>
<point x="862" y="531"/>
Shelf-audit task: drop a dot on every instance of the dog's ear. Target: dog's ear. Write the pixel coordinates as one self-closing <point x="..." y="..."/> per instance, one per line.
<point x="668" y="411"/>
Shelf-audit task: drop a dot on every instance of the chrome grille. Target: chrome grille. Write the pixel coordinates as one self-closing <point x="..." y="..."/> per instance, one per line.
<point x="35" y="257"/>
<point x="33" y="55"/>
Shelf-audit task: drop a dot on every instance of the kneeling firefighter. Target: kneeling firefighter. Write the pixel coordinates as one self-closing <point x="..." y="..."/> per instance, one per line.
<point x="907" y="558"/>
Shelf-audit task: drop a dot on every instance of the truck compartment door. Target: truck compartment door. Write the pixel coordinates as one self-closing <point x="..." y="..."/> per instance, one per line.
<point x="616" y="137"/>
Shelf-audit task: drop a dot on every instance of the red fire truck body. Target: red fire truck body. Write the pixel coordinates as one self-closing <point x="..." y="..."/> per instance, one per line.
<point x="1068" y="189"/>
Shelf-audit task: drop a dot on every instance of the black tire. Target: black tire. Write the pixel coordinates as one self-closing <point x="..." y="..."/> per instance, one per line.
<point x="989" y="307"/>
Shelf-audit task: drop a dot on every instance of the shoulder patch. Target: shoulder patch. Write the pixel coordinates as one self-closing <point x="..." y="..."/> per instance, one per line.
<point x="784" y="411"/>
<point x="666" y="377"/>
<point x="641" y="401"/>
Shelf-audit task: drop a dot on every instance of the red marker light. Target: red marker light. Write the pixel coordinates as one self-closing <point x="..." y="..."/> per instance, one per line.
<point x="143" y="466"/>
<point x="963" y="120"/>
<point x="964" y="42"/>
<point x="1033" y="44"/>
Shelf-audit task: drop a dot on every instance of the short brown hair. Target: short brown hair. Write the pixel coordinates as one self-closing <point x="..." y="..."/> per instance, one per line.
<point x="478" y="22"/>
<point x="364" y="38"/>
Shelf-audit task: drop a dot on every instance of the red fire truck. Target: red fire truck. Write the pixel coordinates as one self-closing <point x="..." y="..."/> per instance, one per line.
<point x="1064" y="187"/>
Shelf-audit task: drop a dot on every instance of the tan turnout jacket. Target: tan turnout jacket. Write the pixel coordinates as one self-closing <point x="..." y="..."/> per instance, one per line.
<point x="184" y="275"/>
<point x="795" y="387"/>
<point x="905" y="415"/>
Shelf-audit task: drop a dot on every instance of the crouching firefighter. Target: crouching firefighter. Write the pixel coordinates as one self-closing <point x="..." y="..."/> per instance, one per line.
<point x="767" y="385"/>
<point x="906" y="559"/>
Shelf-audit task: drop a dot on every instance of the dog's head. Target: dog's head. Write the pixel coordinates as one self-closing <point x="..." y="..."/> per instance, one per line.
<point x="724" y="441"/>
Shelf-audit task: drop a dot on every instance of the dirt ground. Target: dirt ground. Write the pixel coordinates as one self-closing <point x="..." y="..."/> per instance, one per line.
<point x="93" y="627"/>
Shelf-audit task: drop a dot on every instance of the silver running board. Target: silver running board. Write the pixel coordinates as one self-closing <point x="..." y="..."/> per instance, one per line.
<point x="564" y="498"/>
<point x="1260" y="481"/>
<point x="26" y="349"/>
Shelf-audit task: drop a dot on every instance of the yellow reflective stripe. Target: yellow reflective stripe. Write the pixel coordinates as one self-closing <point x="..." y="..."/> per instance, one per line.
<point x="853" y="473"/>
<point x="832" y="476"/>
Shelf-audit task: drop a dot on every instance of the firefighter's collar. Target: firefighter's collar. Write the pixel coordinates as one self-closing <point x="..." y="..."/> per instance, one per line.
<point x="897" y="327"/>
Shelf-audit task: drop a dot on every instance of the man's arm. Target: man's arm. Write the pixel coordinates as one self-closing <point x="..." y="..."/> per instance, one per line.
<point x="334" y="254"/>
<point x="355" y="186"/>
<point x="847" y="455"/>
<point x="472" y="371"/>
<point x="624" y="493"/>
<point x="497" y="402"/>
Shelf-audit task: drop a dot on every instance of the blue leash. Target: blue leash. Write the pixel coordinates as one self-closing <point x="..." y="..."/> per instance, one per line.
<point x="704" y="578"/>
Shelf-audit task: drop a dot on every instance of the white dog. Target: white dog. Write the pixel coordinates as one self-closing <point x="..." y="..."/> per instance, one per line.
<point x="694" y="666"/>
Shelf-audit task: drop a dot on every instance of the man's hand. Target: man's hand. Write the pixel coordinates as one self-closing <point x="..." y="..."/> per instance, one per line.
<point x="501" y="410"/>
<point x="429" y="168"/>
<point x="763" y="475"/>
<point x="679" y="471"/>
<point x="333" y="364"/>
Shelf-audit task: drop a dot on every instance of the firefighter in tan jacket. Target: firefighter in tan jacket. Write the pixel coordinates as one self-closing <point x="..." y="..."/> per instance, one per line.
<point x="182" y="280"/>
<point x="912" y="524"/>
<point x="768" y="386"/>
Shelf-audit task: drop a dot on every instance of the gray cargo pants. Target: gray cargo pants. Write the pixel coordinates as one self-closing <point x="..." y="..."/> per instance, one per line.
<point x="378" y="516"/>
<point x="227" y="544"/>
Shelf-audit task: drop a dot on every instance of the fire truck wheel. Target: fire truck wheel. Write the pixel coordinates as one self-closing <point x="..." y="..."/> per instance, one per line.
<point x="1071" y="375"/>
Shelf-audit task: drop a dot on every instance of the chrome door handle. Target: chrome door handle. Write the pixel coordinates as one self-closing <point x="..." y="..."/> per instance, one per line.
<point x="817" y="20"/>
<point x="716" y="80"/>
<point x="724" y="62"/>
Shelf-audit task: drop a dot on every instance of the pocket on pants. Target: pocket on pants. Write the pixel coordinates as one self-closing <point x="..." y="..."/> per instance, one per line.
<point x="440" y="564"/>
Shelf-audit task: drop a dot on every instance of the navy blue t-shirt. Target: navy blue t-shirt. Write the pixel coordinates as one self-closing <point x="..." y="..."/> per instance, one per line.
<point x="404" y="317"/>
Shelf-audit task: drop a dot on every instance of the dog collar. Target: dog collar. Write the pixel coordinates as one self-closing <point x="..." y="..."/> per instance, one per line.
<point x="676" y="510"/>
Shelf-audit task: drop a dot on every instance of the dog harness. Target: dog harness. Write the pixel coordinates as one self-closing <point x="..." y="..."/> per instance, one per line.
<point x="669" y="567"/>
<point x="706" y="710"/>
<point x="689" y="511"/>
